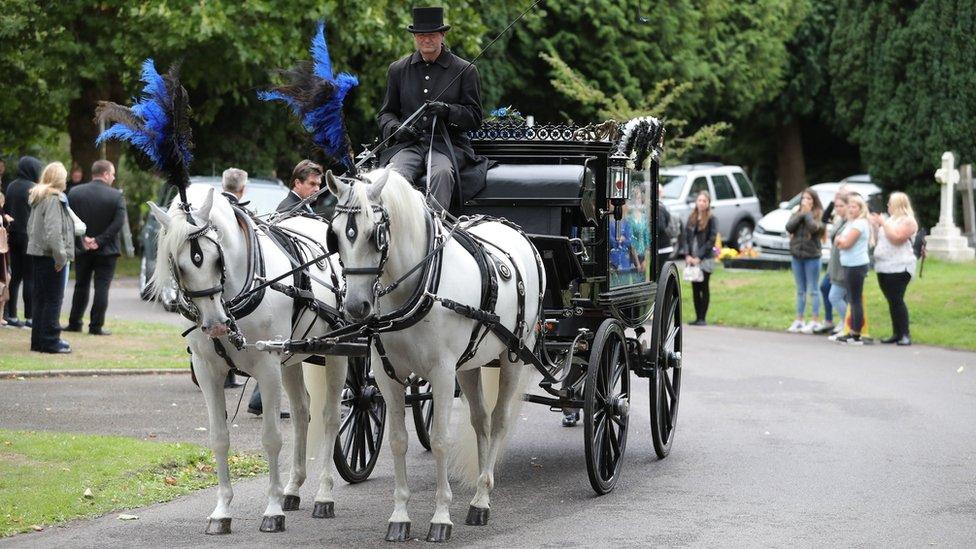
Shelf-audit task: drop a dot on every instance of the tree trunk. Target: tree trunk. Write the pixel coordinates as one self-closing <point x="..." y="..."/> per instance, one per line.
<point x="790" y="165"/>
<point x="82" y="128"/>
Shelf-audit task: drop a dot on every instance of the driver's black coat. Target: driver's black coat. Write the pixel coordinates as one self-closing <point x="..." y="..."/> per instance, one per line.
<point x="410" y="82"/>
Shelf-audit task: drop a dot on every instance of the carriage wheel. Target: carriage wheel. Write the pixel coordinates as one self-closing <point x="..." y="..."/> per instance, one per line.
<point x="363" y="413"/>
<point x="665" y="352"/>
<point x="607" y="404"/>
<point x="423" y="412"/>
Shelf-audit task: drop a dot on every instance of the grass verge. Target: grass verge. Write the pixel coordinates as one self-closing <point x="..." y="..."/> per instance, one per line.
<point x="43" y="476"/>
<point x="941" y="304"/>
<point x="131" y="345"/>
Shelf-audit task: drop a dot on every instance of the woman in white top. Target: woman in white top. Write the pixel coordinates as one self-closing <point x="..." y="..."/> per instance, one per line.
<point x="894" y="261"/>
<point x="853" y="243"/>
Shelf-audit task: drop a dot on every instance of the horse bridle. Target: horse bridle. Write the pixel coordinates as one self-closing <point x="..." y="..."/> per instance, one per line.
<point x="196" y="257"/>
<point x="380" y="238"/>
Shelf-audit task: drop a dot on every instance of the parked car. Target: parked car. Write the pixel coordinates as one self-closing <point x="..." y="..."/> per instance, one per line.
<point x="771" y="237"/>
<point x="734" y="202"/>
<point x="263" y="196"/>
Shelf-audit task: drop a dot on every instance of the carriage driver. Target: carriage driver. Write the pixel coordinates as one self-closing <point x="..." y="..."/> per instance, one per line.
<point x="420" y="78"/>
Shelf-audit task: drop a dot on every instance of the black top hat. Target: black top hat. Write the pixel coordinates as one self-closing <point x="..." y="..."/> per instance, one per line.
<point x="428" y="20"/>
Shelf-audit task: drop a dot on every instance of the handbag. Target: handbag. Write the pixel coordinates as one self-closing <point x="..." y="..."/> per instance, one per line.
<point x="693" y="273"/>
<point x="4" y="242"/>
<point x="79" y="225"/>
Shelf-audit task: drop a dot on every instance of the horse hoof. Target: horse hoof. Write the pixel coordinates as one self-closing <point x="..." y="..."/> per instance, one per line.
<point x="291" y="503"/>
<point x="324" y="509"/>
<point x="398" y="531"/>
<point x="218" y="527"/>
<point x="477" y="516"/>
<point x="439" y="532"/>
<point x="273" y="524"/>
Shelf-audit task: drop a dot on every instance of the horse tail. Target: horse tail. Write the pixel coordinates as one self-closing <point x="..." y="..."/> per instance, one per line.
<point x="464" y="452"/>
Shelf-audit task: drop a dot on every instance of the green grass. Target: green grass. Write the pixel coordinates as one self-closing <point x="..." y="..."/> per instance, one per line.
<point x="131" y="345"/>
<point x="43" y="476"/>
<point x="941" y="304"/>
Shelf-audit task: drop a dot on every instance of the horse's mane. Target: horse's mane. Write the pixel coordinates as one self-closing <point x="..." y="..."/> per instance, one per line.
<point x="404" y="203"/>
<point x="169" y="240"/>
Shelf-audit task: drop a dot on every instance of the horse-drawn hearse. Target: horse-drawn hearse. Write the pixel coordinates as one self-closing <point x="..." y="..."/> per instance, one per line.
<point x="571" y="190"/>
<point x="552" y="266"/>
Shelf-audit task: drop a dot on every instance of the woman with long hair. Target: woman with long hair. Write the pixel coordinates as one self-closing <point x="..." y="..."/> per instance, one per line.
<point x="853" y="244"/>
<point x="699" y="245"/>
<point x="50" y="231"/>
<point x="806" y="230"/>
<point x="894" y="261"/>
<point x="837" y="288"/>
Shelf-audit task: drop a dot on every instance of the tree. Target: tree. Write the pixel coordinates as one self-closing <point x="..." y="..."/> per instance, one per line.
<point x="903" y="79"/>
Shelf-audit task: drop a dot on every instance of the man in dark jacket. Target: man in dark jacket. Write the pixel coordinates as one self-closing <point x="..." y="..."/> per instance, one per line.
<point x="102" y="208"/>
<point x="21" y="265"/>
<point x="427" y="76"/>
<point x="306" y="180"/>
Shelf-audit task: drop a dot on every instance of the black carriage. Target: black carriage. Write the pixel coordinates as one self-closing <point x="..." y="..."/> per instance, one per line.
<point x="593" y="218"/>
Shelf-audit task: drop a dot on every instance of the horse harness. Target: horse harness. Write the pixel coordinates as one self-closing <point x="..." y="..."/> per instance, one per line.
<point x="424" y="296"/>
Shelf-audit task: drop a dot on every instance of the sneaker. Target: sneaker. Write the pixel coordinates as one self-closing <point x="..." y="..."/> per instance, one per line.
<point x="825" y="329"/>
<point x="795" y="327"/>
<point x="905" y="341"/>
<point x="850" y="339"/>
<point x="811" y="327"/>
<point x="838" y="330"/>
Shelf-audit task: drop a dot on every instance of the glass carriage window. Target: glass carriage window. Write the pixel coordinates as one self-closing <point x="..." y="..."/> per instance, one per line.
<point x="630" y="239"/>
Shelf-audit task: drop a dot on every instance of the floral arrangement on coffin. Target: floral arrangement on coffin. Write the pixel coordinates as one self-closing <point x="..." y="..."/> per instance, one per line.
<point x="505" y="115"/>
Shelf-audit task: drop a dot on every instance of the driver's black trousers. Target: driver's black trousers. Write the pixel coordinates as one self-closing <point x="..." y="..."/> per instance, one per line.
<point x="411" y="162"/>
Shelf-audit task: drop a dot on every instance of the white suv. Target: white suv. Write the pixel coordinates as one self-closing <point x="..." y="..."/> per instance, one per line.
<point x="734" y="202"/>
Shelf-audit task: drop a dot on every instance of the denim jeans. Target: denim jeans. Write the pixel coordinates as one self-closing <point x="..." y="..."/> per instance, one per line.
<point x="854" y="277"/>
<point x="838" y="300"/>
<point x="825" y="294"/>
<point x="806" y="273"/>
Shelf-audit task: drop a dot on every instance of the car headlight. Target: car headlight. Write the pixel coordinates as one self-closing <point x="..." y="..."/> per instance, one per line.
<point x="759" y="230"/>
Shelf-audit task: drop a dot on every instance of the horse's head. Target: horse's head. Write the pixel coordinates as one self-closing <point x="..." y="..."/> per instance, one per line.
<point x="362" y="238"/>
<point x="189" y="255"/>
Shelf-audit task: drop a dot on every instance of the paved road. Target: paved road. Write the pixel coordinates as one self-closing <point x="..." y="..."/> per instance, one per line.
<point x="125" y="304"/>
<point x="783" y="440"/>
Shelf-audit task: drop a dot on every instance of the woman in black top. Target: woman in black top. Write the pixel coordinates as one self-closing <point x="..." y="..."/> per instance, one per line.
<point x="699" y="246"/>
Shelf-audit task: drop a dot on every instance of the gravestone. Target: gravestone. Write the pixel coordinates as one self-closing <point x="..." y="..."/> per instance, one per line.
<point x="946" y="240"/>
<point x="967" y="188"/>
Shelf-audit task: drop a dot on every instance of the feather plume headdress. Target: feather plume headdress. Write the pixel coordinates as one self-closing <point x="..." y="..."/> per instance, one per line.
<point x="316" y="95"/>
<point x="157" y="124"/>
<point x="643" y="136"/>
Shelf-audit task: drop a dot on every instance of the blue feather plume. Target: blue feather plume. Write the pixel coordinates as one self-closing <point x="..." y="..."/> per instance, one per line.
<point x="157" y="124"/>
<point x="316" y="95"/>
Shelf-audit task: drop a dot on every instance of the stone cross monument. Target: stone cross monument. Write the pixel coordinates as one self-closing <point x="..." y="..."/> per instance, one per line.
<point x="946" y="241"/>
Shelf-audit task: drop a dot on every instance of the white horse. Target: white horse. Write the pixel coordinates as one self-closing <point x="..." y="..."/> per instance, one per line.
<point x="221" y="268"/>
<point x="431" y="348"/>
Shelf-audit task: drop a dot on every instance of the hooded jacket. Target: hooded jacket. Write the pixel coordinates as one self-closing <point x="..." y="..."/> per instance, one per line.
<point x="28" y="172"/>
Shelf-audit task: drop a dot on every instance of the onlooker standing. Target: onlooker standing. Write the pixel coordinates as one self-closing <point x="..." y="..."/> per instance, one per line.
<point x="894" y="261"/>
<point x="102" y="209"/>
<point x="21" y="269"/>
<point x="76" y="177"/>
<point x="837" y="293"/>
<point x="699" y="246"/>
<point x="306" y="180"/>
<point x="51" y="243"/>
<point x="233" y="181"/>
<point x="4" y="259"/>
<point x="665" y="248"/>
<point x="3" y="176"/>
<point x="853" y="244"/>
<point x="806" y="234"/>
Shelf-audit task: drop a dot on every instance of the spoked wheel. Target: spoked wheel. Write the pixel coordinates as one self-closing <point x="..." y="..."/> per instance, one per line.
<point x="423" y="412"/>
<point x="363" y="413"/>
<point x="607" y="406"/>
<point x="666" y="342"/>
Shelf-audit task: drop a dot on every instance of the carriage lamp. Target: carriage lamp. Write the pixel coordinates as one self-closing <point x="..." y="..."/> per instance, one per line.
<point x="618" y="184"/>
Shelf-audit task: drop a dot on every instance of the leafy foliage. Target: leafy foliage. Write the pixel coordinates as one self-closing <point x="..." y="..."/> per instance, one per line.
<point x="906" y="90"/>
